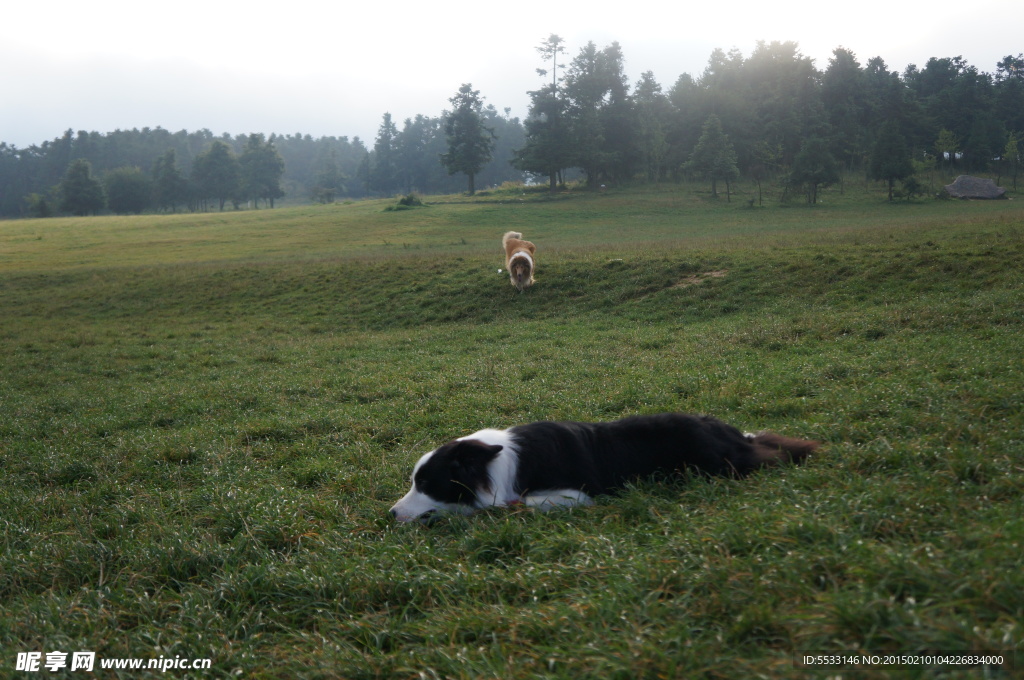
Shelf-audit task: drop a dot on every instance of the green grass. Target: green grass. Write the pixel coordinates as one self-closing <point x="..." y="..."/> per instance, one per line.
<point x="460" y="225"/>
<point x="204" y="418"/>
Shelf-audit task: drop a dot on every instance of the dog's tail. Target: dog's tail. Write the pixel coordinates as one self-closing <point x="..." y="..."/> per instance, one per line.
<point x="510" y="234"/>
<point x="771" y="448"/>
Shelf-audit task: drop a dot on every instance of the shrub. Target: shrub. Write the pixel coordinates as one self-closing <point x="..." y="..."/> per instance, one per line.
<point x="407" y="202"/>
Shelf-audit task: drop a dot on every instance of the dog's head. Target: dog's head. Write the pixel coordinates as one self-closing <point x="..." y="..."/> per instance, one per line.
<point x="520" y="269"/>
<point x="453" y="478"/>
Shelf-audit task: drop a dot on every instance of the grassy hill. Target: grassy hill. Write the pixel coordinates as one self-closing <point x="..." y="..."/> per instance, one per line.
<point x="204" y="418"/>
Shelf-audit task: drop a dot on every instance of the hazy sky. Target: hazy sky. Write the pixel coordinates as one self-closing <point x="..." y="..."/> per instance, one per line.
<point x="324" y="68"/>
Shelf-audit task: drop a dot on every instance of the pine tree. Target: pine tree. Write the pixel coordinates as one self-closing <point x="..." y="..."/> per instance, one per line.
<point x="470" y="142"/>
<point x="550" y="49"/>
<point x="215" y="173"/>
<point x="814" y="167"/>
<point x="169" y="185"/>
<point x="890" y="159"/>
<point x="654" y="112"/>
<point x="714" y="157"/>
<point x="599" y="113"/>
<point x="81" y="193"/>
<point x="326" y="177"/>
<point x="548" y="148"/>
<point x="383" y="171"/>
<point x="129" y="190"/>
<point x="261" y="168"/>
<point x="844" y="100"/>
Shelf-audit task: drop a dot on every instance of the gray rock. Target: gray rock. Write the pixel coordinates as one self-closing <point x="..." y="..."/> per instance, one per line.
<point x="966" y="186"/>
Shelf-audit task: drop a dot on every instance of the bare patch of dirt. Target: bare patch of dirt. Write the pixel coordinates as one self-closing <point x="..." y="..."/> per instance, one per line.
<point x="695" y="279"/>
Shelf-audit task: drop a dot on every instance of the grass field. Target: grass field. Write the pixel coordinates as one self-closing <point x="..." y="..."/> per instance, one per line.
<point x="204" y="419"/>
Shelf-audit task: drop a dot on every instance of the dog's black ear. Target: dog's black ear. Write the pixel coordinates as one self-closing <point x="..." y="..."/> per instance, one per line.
<point x="472" y="452"/>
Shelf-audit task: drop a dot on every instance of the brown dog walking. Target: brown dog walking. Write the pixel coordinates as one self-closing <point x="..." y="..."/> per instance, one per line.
<point x="519" y="258"/>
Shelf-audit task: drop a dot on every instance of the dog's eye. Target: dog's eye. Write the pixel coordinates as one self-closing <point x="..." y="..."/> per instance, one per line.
<point x="427" y="488"/>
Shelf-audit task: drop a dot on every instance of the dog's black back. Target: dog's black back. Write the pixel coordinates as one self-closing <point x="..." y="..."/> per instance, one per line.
<point x="601" y="457"/>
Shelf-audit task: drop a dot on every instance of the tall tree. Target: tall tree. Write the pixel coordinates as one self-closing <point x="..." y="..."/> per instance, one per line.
<point x="384" y="174"/>
<point x="509" y="135"/>
<point x="261" y="168"/>
<point x="618" y="119"/>
<point x="216" y="174"/>
<point x="814" y="168"/>
<point x="129" y="190"/>
<point x="890" y="158"/>
<point x="784" y="96"/>
<point x="1009" y="85"/>
<point x="412" y="150"/>
<point x="953" y="95"/>
<point x="688" y="115"/>
<point x="547" y="149"/>
<point x="985" y="140"/>
<point x="470" y="142"/>
<point x="363" y="173"/>
<point x="551" y="49"/>
<point x="169" y="184"/>
<point x="714" y="157"/>
<point x="844" y="98"/>
<point x="886" y="95"/>
<point x="81" y="193"/>
<point x="585" y="90"/>
<point x="599" y="113"/>
<point x="654" y="116"/>
<point x="326" y="178"/>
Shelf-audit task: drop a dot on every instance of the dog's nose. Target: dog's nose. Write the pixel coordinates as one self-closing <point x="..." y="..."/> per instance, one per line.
<point x="393" y="513"/>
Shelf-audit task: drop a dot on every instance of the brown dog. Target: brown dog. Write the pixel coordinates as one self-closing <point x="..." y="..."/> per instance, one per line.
<point x="519" y="258"/>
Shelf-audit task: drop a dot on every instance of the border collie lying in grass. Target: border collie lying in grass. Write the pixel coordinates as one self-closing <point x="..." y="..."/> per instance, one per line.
<point x="547" y="464"/>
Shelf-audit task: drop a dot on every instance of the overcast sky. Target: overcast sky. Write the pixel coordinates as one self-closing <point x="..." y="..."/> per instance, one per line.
<point x="334" y="68"/>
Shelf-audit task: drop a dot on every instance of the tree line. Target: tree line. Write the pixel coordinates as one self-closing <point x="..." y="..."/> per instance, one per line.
<point x="767" y="116"/>
<point x="154" y="169"/>
<point x="772" y="114"/>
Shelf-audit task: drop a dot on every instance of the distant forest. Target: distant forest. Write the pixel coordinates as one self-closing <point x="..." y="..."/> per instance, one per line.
<point x="772" y="116"/>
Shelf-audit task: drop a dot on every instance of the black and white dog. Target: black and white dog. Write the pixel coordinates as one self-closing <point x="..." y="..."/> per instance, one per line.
<point x="547" y="464"/>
